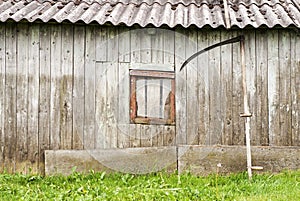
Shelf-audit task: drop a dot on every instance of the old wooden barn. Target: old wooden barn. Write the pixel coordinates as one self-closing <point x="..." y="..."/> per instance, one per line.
<point x="103" y="76"/>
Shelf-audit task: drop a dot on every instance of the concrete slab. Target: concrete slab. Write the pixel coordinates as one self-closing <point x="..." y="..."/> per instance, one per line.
<point x="129" y="160"/>
<point x="204" y="160"/>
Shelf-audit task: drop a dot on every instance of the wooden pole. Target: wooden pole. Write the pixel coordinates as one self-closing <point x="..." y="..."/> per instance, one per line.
<point x="246" y="114"/>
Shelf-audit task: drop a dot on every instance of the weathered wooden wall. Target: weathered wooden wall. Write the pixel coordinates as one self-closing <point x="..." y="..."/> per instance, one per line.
<point x="67" y="87"/>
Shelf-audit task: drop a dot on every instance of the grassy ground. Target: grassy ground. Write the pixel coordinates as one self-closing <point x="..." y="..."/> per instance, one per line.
<point x="156" y="186"/>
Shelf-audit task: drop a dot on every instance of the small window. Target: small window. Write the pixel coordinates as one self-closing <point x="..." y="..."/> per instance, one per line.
<point x="152" y="97"/>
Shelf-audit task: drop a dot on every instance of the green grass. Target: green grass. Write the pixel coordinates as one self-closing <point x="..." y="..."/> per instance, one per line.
<point x="156" y="186"/>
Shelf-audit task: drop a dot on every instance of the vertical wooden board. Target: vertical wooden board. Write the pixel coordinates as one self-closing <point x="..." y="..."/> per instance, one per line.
<point x="273" y="87"/>
<point x="135" y="46"/>
<point x="157" y="47"/>
<point x="226" y="89"/>
<point x="251" y="84"/>
<point x="22" y="92"/>
<point x="101" y="109"/>
<point x="112" y="44"/>
<point x="262" y="130"/>
<point x="55" y="66"/>
<point x="10" y="98"/>
<point x="33" y="96"/>
<point x="215" y="115"/>
<point x="89" y="89"/>
<point x="181" y="87"/>
<point x="203" y="94"/>
<point x="135" y="135"/>
<point x="169" y="136"/>
<point x="141" y="92"/>
<point x="44" y="95"/>
<point x="238" y="133"/>
<point x="112" y="79"/>
<point x="146" y="138"/>
<point x="66" y="104"/>
<point x="285" y="133"/>
<point x="78" y="87"/>
<point x="192" y="89"/>
<point x="2" y="93"/>
<point x="101" y="43"/>
<point x="295" y="88"/>
<point x="124" y="44"/>
<point x="169" y="46"/>
<point x="153" y="98"/>
<point x="159" y="133"/>
<point x="145" y="39"/>
<point x="123" y="106"/>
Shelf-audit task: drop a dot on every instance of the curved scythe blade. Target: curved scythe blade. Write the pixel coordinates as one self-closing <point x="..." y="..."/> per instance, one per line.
<point x="225" y="42"/>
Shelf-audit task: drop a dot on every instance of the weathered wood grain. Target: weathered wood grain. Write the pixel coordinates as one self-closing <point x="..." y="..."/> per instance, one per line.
<point x="44" y="94"/>
<point x="123" y="106"/>
<point x="192" y="101"/>
<point x="203" y="82"/>
<point x="181" y="87"/>
<point x="285" y="112"/>
<point x="33" y="96"/>
<point x="101" y="108"/>
<point x="226" y="89"/>
<point x="55" y="66"/>
<point x="78" y="87"/>
<point x="215" y="114"/>
<point x="295" y="89"/>
<point x="2" y="94"/>
<point x="66" y="103"/>
<point x="238" y="132"/>
<point x="262" y="129"/>
<point x="273" y="87"/>
<point x="22" y="94"/>
<point x="101" y="44"/>
<point x="10" y="98"/>
<point x="124" y="44"/>
<point x="89" y="89"/>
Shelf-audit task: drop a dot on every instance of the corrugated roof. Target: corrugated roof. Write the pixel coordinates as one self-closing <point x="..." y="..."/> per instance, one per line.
<point x="241" y="13"/>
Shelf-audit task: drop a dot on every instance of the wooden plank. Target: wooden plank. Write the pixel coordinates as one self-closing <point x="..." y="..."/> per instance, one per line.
<point x="226" y="89"/>
<point x="181" y="79"/>
<point x="101" y="43"/>
<point x="295" y="88"/>
<point x="169" y="46"/>
<point x="169" y="136"/>
<point x="251" y="84"/>
<point x="22" y="92"/>
<point x="215" y="127"/>
<point x="273" y="87"/>
<point x="33" y="96"/>
<point x="44" y="95"/>
<point x="146" y="138"/>
<point x="101" y="109"/>
<point x="145" y="39"/>
<point x="112" y="44"/>
<point x="192" y="89"/>
<point x="78" y="87"/>
<point x="124" y="44"/>
<point x="66" y="103"/>
<point x="10" y="99"/>
<point x="135" y="46"/>
<point x="155" y="74"/>
<point x="262" y="129"/>
<point x="157" y="47"/>
<point x="89" y="88"/>
<point x="112" y="78"/>
<point x="153" y="98"/>
<point x="55" y="66"/>
<point x="2" y="94"/>
<point x="123" y="106"/>
<point x="135" y="135"/>
<point x="285" y="133"/>
<point x="238" y="132"/>
<point x="203" y="82"/>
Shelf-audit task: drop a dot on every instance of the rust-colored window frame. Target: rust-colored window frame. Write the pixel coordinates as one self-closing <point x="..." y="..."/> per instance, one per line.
<point x="134" y="74"/>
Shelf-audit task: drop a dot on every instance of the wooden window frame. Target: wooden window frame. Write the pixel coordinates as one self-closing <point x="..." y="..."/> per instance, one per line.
<point x="134" y="74"/>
